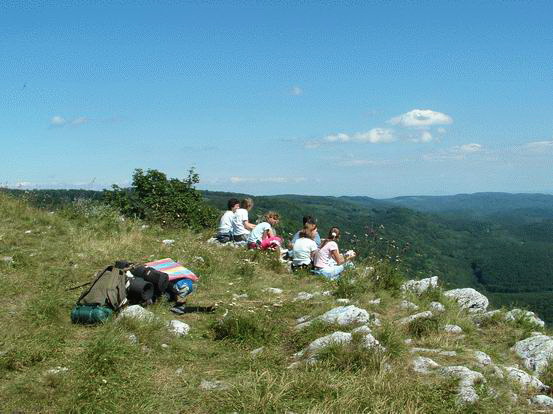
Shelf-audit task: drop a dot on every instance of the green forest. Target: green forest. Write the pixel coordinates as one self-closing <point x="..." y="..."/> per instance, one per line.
<point x="500" y="244"/>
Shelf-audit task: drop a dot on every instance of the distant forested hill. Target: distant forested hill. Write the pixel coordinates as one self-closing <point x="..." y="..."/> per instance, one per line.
<point x="501" y="244"/>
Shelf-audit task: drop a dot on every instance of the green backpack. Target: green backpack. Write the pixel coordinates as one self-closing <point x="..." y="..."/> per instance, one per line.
<point x="106" y="294"/>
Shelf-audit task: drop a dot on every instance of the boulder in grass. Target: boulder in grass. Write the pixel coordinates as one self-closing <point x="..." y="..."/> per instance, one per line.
<point x="275" y="291"/>
<point x="136" y="312"/>
<point x="345" y="315"/>
<point x="320" y="343"/>
<point x="466" y="394"/>
<point x="420" y="315"/>
<point x="453" y="329"/>
<point x="213" y="385"/>
<point x="420" y="286"/>
<point x="304" y="296"/>
<point x="526" y="380"/>
<point x="178" y="328"/>
<point x="531" y="317"/>
<point x="469" y="299"/>
<point x="482" y="358"/>
<point x="423" y="365"/>
<point x="406" y="305"/>
<point x="535" y="352"/>
<point x="542" y="400"/>
<point x="436" y="306"/>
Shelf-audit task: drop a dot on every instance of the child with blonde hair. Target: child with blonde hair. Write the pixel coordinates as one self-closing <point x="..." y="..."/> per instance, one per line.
<point x="263" y="236"/>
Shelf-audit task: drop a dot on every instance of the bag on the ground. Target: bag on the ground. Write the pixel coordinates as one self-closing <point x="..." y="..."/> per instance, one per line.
<point x="106" y="293"/>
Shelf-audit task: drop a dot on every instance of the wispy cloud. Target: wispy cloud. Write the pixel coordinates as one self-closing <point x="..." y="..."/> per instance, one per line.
<point x="57" y="121"/>
<point x="459" y="152"/>
<point x="296" y="91"/>
<point x="539" y="146"/>
<point x="80" y="120"/>
<point x="373" y="136"/>
<point x="240" y="179"/>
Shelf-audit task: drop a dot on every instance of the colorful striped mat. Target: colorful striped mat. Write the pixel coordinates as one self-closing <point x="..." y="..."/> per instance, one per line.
<point x="174" y="270"/>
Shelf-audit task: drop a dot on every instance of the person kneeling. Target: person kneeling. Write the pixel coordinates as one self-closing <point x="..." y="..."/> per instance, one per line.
<point x="328" y="261"/>
<point x="263" y="236"/>
<point x="304" y="248"/>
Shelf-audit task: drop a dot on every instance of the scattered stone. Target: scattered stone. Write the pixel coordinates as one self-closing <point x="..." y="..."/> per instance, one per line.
<point x="168" y="242"/>
<point x="482" y="358"/>
<point x="338" y="337"/>
<point x="275" y="291"/>
<point x="57" y="370"/>
<point x="213" y="385"/>
<point x="420" y="286"/>
<point x="374" y="301"/>
<point x="144" y="226"/>
<point x="531" y="317"/>
<point x="165" y="346"/>
<point x="343" y="301"/>
<point x="535" y="352"/>
<point x="466" y="394"/>
<point x="420" y="315"/>
<point x="434" y="351"/>
<point x="326" y="293"/>
<point x="257" y="351"/>
<point x="345" y="315"/>
<point x="406" y="305"/>
<point x="294" y="365"/>
<point x="303" y="319"/>
<point x="199" y="259"/>
<point x="363" y="329"/>
<point x="28" y="231"/>
<point x="542" y="400"/>
<point x="423" y="365"/>
<point x="133" y="339"/>
<point x="304" y="296"/>
<point x="481" y="317"/>
<point x="242" y="296"/>
<point x="178" y="328"/>
<point x="7" y="259"/>
<point x="370" y="341"/>
<point x="408" y="341"/>
<point x="469" y="299"/>
<point x="437" y="306"/>
<point x="453" y="329"/>
<point x="136" y="312"/>
<point x="178" y="371"/>
<point x="526" y="380"/>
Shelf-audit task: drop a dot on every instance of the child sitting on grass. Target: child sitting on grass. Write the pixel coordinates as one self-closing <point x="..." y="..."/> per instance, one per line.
<point x="224" y="231"/>
<point x="241" y="225"/>
<point x="304" y="247"/>
<point x="328" y="261"/>
<point x="263" y="236"/>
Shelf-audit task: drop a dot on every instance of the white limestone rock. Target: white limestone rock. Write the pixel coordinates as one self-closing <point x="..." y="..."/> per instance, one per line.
<point x="437" y="307"/>
<point x="408" y="341"/>
<point x="133" y="339"/>
<point x="304" y="296"/>
<point x="213" y="385"/>
<point x="424" y="365"/>
<point x="136" y="312"/>
<point x="338" y="337"/>
<point x="57" y="370"/>
<point x="168" y="242"/>
<point x="363" y="329"/>
<point x="370" y="341"/>
<point x="346" y="315"/>
<point x="453" y="329"/>
<point x="482" y="358"/>
<point x="535" y="352"/>
<point x="374" y="301"/>
<point x="529" y="316"/>
<point x="420" y="286"/>
<point x="526" y="380"/>
<point x="406" y="305"/>
<point x="466" y="394"/>
<point x="481" y="317"/>
<point x="420" y="315"/>
<point x="343" y="301"/>
<point x="303" y="319"/>
<point x="542" y="400"/>
<point x="469" y="299"/>
<point x="257" y="351"/>
<point x="178" y="328"/>
<point x="236" y="296"/>
<point x="275" y="291"/>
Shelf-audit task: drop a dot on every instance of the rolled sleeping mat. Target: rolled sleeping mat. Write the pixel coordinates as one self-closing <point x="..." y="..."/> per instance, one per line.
<point x="139" y="291"/>
<point x="159" y="279"/>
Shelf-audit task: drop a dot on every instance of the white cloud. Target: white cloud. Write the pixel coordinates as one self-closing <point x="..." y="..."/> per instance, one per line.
<point x="296" y="91"/>
<point x="459" y="152"/>
<point x="239" y="180"/>
<point x="57" y="121"/>
<point x="421" y="118"/>
<point x="374" y="136"/>
<point x="361" y="162"/>
<point x="539" y="146"/>
<point x="80" y="120"/>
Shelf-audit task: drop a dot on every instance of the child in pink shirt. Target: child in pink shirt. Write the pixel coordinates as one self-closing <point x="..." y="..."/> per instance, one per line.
<point x="328" y="261"/>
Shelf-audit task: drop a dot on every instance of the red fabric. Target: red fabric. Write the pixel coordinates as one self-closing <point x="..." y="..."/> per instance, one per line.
<point x="271" y="242"/>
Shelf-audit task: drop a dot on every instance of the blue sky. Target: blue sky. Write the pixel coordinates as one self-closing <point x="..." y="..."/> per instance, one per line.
<point x="374" y="98"/>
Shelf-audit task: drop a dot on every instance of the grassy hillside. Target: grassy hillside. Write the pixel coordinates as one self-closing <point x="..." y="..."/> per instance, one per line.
<point x="43" y="254"/>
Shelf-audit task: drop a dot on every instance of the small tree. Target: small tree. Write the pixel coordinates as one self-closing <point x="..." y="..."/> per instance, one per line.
<point x="169" y="202"/>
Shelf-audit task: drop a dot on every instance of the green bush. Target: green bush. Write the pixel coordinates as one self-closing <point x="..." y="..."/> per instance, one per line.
<point x="169" y="202"/>
<point x="423" y="326"/>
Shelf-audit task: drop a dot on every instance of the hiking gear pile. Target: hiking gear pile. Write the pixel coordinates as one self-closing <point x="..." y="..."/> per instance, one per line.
<point x="133" y="284"/>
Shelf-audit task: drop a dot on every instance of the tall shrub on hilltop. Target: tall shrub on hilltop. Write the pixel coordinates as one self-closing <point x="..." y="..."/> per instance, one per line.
<point x="169" y="202"/>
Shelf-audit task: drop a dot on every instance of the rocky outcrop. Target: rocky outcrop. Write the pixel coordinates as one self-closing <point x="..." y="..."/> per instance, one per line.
<point x="344" y="315"/>
<point x="526" y="380"/>
<point x="423" y="365"/>
<point x="466" y="394"/>
<point x="420" y="315"/>
<point x="535" y="352"/>
<point x="530" y="317"/>
<point x="436" y="307"/>
<point x="420" y="286"/>
<point x="453" y="329"/>
<point x="542" y="400"/>
<point x="469" y="299"/>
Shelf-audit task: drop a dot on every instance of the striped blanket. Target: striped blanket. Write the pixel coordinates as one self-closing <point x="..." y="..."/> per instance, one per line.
<point x="174" y="270"/>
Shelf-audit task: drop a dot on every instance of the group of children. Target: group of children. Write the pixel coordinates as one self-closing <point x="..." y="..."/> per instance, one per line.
<point x="306" y="249"/>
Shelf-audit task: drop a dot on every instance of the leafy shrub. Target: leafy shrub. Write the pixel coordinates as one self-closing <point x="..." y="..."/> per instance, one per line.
<point x="387" y="277"/>
<point x="350" y="285"/>
<point x="153" y="197"/>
